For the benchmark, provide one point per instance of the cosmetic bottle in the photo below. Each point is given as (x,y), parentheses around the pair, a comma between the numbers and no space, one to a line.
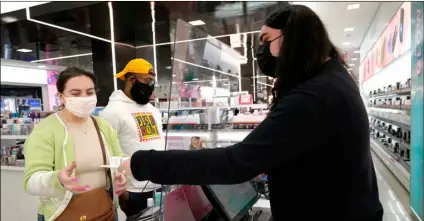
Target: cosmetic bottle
(397,85)
(396,150)
(399,133)
(159,200)
(402,153)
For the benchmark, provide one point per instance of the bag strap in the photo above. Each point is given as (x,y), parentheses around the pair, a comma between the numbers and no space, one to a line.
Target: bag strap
(102,145)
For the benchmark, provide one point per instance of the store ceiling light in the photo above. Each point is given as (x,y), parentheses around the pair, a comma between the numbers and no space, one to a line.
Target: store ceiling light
(353,6)
(197,22)
(357,52)
(354,59)
(351,65)
(346,43)
(195,79)
(41,66)
(24,50)
(63,57)
(9,19)
(348,29)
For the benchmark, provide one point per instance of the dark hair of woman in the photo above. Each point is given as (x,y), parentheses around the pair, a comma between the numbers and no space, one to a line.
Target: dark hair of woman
(69,73)
(305,47)
(72,72)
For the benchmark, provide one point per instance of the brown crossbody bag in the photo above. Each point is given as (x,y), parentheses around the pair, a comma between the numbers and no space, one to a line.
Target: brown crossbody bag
(94,205)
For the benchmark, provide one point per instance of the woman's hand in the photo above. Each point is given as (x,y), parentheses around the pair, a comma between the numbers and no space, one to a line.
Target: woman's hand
(125,167)
(70,183)
(120,182)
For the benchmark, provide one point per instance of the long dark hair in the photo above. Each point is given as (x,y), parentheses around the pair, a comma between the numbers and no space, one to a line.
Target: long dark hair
(305,47)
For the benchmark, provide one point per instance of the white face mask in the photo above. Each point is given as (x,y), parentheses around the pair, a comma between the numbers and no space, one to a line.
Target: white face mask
(81,106)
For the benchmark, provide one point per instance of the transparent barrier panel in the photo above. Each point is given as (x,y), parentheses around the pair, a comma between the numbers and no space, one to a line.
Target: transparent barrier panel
(199,107)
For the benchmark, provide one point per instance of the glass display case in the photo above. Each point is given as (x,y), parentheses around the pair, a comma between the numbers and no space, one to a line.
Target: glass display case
(204,107)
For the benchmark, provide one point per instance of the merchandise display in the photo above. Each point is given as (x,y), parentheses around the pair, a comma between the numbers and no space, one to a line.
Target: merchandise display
(395,137)
(389,110)
(397,96)
(388,86)
(15,128)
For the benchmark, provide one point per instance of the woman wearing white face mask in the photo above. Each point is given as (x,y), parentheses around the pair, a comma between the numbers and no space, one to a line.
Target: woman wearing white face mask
(64,152)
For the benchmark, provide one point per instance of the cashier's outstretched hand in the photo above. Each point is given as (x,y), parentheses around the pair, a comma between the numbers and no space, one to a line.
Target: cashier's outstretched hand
(125,167)
(68,181)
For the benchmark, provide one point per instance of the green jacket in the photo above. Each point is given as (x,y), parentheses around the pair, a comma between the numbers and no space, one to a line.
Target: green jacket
(48,149)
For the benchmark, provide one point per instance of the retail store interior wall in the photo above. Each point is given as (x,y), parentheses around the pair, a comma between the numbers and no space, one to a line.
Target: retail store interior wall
(388,85)
(396,71)
(384,13)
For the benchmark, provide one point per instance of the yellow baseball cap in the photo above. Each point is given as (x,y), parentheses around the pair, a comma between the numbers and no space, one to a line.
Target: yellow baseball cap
(136,66)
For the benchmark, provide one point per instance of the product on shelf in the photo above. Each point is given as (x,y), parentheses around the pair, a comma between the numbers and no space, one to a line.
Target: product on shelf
(393,137)
(12,156)
(392,97)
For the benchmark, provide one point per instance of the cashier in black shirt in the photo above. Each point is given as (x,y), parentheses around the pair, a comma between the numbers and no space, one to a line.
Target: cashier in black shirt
(314,144)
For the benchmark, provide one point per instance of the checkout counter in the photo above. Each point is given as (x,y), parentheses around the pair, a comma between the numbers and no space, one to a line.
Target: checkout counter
(240,202)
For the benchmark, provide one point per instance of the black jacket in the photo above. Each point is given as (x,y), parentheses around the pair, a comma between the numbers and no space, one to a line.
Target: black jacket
(314,146)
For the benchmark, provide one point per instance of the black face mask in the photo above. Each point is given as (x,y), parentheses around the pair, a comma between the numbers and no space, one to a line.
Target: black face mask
(141,92)
(266,61)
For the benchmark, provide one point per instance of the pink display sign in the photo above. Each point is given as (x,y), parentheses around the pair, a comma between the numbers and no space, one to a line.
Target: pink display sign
(52,77)
(52,95)
(245,99)
(394,41)
(51,89)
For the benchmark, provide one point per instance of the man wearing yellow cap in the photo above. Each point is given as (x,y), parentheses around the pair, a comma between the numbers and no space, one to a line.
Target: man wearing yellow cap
(138,125)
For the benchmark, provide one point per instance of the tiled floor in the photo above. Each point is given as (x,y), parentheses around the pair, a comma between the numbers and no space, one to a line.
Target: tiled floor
(393,208)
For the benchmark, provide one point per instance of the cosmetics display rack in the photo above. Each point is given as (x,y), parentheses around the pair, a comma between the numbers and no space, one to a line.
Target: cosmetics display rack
(217,126)
(392,97)
(216,117)
(13,156)
(389,110)
(393,117)
(395,139)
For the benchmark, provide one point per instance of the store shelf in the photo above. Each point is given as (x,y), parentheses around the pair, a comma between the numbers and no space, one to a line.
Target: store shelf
(403,91)
(14,137)
(253,106)
(12,168)
(388,151)
(402,143)
(182,109)
(391,121)
(395,166)
(221,135)
(391,110)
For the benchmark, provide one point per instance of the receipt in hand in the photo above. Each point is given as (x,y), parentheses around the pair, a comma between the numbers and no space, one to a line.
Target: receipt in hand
(114,162)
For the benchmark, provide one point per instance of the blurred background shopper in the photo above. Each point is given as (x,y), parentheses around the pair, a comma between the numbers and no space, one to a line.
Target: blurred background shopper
(64,152)
(138,124)
(317,114)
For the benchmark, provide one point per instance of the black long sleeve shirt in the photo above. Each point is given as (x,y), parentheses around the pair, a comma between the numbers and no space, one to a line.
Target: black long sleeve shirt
(314,146)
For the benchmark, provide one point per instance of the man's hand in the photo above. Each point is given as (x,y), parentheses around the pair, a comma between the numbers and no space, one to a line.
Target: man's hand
(70,183)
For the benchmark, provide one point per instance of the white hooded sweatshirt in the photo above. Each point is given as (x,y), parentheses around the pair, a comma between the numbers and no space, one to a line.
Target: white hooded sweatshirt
(139,127)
